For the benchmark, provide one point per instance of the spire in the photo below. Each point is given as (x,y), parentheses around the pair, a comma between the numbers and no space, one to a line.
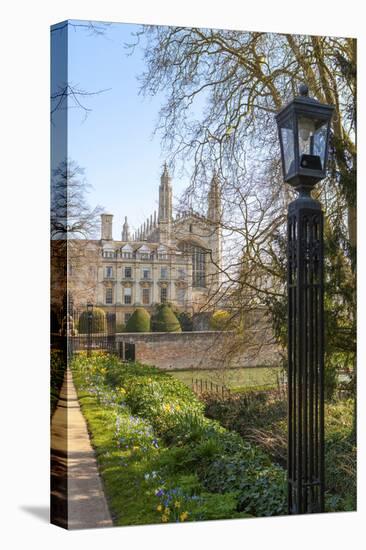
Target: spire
(165,196)
(154,218)
(125,231)
(214,199)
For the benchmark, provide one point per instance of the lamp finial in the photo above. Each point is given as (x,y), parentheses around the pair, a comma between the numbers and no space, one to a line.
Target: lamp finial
(303,90)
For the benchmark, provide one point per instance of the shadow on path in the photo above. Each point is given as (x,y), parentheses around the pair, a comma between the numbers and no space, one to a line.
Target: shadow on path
(77,497)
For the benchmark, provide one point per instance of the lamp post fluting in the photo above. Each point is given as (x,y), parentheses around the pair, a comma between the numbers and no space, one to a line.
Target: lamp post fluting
(304,126)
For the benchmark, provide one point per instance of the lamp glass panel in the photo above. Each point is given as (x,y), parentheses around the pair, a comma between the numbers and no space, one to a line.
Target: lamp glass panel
(320,141)
(287,138)
(306,128)
(312,138)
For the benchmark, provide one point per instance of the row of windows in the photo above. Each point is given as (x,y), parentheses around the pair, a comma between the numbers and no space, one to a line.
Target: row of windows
(134,255)
(146,296)
(146,273)
(197,254)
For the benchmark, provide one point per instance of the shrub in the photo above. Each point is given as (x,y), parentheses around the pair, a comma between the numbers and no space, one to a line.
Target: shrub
(260,488)
(220,320)
(330,380)
(165,320)
(98,323)
(139,321)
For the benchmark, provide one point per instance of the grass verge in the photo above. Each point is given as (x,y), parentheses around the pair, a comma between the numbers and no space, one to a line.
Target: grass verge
(160,458)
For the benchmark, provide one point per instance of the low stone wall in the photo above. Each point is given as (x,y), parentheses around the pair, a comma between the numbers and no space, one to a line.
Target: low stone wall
(204,349)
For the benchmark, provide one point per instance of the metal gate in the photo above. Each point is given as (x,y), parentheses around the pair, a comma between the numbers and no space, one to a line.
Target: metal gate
(88,328)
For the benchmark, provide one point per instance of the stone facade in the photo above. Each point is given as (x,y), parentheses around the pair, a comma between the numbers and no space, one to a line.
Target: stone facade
(169,259)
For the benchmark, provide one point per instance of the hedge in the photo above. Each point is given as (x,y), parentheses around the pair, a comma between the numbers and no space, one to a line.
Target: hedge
(98,323)
(165,320)
(139,321)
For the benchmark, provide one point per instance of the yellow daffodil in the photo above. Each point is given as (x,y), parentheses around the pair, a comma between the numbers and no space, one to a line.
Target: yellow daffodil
(167,511)
(159,508)
(164,518)
(183,516)
(177,504)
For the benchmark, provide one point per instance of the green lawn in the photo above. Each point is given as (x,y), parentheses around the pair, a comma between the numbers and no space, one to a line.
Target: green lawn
(235,379)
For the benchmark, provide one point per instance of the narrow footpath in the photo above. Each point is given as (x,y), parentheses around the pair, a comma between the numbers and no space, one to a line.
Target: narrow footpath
(77,496)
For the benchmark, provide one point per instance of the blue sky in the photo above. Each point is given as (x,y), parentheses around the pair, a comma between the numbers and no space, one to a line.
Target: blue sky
(114,143)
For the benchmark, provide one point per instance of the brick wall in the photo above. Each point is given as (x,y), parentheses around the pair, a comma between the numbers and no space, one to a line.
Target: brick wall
(205,349)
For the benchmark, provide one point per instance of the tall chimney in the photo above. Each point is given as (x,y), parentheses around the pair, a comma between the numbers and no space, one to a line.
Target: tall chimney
(107,227)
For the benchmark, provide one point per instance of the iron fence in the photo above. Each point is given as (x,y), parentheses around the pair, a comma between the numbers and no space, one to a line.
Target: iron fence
(200,386)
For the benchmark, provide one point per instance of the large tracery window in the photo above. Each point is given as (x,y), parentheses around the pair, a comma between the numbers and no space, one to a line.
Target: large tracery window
(198,263)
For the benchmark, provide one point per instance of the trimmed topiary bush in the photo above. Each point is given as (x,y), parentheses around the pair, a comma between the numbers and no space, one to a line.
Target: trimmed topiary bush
(220,320)
(98,321)
(165,320)
(139,321)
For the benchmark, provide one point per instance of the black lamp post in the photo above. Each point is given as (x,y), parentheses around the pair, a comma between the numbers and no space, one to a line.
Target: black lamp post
(89,310)
(304,126)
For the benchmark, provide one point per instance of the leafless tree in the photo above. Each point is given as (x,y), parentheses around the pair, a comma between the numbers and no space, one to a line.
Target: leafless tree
(222,89)
(73,222)
(69,95)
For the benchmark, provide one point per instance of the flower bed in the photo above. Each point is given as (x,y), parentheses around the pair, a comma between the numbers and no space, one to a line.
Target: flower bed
(160,458)
(261,417)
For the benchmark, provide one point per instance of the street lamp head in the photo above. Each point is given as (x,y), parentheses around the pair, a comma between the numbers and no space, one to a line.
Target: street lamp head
(304,126)
(89,307)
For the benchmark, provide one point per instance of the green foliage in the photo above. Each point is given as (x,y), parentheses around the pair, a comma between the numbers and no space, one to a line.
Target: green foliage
(340,456)
(247,412)
(220,506)
(330,379)
(339,301)
(161,433)
(120,327)
(98,323)
(262,418)
(139,321)
(220,320)
(165,320)
(261,488)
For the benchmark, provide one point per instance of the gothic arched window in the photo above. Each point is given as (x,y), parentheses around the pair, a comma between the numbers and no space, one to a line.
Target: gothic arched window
(198,262)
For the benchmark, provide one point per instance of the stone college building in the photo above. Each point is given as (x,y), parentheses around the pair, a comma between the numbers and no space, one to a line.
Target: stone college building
(169,259)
